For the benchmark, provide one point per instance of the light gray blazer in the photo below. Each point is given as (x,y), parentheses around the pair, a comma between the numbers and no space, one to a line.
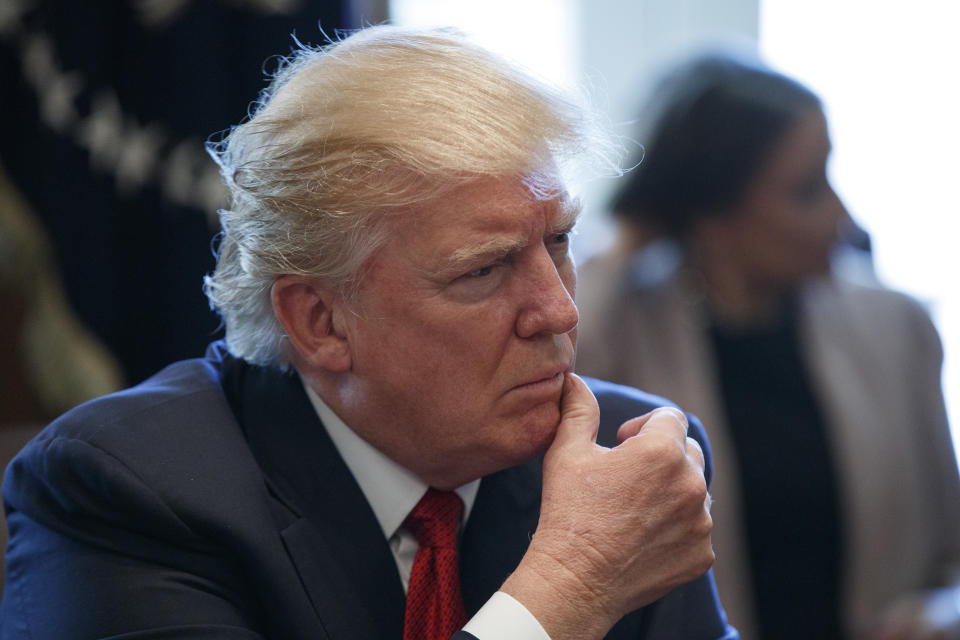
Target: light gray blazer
(875,359)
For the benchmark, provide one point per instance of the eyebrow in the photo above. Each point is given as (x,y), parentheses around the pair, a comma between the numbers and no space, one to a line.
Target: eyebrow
(498,248)
(493,249)
(570,210)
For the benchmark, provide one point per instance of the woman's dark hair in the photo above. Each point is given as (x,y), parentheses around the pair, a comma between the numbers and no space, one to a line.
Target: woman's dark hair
(712,122)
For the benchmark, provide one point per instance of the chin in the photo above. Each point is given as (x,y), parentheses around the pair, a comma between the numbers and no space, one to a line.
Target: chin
(540,428)
(517,439)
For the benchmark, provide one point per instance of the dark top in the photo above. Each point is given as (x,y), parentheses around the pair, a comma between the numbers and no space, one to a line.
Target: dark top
(789,487)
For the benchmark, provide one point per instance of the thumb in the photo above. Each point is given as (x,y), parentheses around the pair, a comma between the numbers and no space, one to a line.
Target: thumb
(579,413)
(632,427)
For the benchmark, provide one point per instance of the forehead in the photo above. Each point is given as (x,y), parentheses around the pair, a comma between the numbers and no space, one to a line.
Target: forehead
(494,202)
(489,210)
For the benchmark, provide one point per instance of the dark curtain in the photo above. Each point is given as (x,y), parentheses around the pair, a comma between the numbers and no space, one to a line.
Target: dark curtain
(105,108)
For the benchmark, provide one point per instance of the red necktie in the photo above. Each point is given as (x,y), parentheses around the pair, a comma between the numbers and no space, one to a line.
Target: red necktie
(434,604)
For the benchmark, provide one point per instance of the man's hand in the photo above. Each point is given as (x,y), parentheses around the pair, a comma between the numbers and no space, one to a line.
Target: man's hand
(619,528)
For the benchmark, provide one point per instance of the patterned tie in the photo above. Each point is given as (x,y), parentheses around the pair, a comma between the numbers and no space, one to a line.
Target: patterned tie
(434,604)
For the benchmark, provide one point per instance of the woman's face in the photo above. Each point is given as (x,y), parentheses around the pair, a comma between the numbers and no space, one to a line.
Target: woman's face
(785,228)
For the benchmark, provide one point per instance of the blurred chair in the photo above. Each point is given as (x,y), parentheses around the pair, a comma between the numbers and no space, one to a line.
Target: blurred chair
(48,361)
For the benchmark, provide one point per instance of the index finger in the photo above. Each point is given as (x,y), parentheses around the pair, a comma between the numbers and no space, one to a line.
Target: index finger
(669,421)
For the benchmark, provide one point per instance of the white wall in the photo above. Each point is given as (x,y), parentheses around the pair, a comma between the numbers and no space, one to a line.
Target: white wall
(888,75)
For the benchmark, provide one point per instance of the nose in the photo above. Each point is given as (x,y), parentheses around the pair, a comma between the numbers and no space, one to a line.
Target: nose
(840,216)
(839,208)
(547,305)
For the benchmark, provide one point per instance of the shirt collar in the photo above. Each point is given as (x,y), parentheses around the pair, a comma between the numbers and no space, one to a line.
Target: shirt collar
(392,490)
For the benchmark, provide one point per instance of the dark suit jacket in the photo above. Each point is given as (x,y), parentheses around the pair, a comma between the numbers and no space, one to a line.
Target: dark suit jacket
(209,502)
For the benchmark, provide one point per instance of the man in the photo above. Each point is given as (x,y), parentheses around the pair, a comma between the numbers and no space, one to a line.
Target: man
(397,289)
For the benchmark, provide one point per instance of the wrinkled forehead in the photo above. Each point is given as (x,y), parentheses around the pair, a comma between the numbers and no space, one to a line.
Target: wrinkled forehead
(488,214)
(503,202)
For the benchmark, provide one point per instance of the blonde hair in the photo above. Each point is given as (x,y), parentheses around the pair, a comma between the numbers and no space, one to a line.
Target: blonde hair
(381,121)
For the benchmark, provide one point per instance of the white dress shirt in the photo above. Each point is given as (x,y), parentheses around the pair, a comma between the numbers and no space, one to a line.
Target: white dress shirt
(393,492)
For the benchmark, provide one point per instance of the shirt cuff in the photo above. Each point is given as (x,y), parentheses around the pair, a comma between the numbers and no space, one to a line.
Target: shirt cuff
(503,617)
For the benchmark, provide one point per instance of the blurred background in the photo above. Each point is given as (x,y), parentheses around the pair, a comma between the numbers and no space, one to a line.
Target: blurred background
(108,201)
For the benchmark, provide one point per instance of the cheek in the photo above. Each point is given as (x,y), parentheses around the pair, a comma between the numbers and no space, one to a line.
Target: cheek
(459,354)
(768,248)
(814,235)
(801,252)
(785,233)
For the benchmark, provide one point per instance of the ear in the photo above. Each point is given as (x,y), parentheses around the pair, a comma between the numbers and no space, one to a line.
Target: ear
(307,310)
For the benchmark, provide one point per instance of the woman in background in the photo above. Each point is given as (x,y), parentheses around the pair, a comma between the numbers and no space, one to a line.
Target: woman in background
(837,509)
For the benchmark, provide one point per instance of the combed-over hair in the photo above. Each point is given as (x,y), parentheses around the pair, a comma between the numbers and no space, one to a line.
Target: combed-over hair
(378,122)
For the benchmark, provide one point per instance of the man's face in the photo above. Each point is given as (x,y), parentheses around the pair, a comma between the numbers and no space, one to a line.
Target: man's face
(462,331)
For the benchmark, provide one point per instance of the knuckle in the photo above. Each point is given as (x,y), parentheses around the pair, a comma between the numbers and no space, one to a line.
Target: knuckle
(708,557)
(662,448)
(673,412)
(700,562)
(658,450)
(703,526)
(694,489)
(693,445)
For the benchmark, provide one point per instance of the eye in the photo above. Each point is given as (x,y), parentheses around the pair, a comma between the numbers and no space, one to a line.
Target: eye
(481,272)
(558,244)
(477,284)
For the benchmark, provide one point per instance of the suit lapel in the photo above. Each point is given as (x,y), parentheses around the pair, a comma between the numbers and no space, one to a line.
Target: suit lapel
(328,528)
(498,531)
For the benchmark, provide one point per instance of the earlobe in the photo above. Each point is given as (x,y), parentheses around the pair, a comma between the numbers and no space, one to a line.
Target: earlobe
(309,313)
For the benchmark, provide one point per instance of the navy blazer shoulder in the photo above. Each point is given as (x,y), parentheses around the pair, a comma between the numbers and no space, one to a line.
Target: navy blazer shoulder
(209,502)
(619,403)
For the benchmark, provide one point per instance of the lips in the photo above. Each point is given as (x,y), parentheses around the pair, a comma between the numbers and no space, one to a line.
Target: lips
(549,377)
